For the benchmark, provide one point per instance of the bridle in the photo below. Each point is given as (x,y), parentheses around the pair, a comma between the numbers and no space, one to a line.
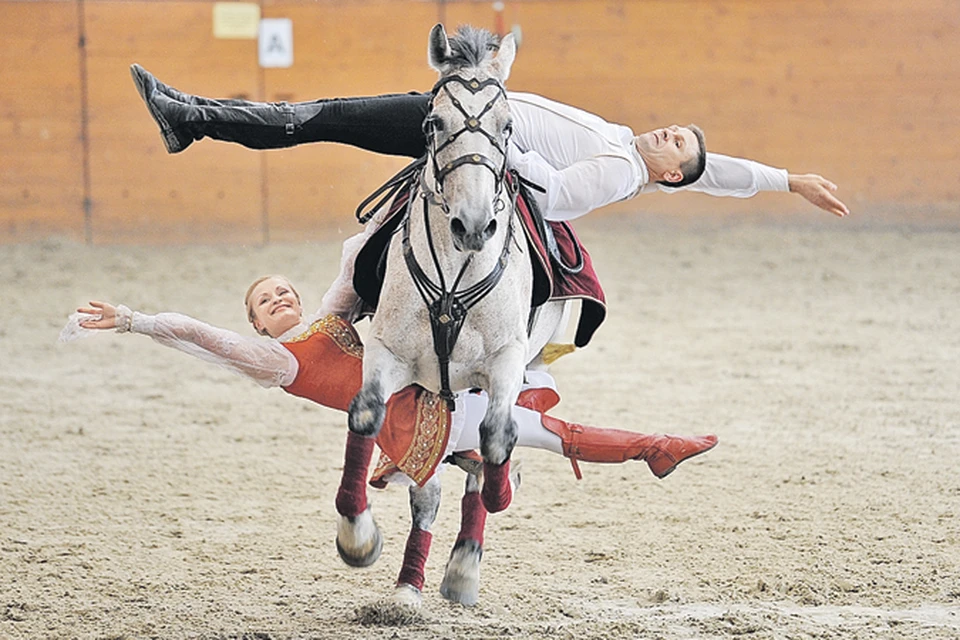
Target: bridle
(448,308)
(472,123)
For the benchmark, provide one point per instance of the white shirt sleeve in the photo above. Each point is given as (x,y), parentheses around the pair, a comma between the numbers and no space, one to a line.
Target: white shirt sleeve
(578,189)
(264,360)
(737,177)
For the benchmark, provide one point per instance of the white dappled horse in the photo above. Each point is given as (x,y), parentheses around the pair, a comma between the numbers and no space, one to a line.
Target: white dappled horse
(455,309)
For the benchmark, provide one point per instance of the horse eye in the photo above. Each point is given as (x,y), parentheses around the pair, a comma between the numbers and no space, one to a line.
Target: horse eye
(432,126)
(508,128)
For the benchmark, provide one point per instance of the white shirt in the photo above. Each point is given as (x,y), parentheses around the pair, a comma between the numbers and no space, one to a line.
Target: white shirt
(584,162)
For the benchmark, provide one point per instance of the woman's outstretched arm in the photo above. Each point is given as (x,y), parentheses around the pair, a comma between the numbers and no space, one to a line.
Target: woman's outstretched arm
(263,360)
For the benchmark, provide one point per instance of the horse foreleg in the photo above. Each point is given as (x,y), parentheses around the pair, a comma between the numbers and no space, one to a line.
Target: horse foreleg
(359,540)
(498,431)
(424,504)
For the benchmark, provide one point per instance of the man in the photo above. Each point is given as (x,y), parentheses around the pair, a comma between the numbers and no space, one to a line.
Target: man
(583,161)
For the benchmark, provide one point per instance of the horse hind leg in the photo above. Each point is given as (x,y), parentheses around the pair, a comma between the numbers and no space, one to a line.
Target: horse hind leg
(461,577)
(424,504)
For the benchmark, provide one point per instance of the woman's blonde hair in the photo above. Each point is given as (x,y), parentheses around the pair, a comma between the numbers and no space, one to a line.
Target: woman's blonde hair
(249,306)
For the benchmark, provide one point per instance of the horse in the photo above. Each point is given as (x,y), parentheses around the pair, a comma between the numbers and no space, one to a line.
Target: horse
(459,221)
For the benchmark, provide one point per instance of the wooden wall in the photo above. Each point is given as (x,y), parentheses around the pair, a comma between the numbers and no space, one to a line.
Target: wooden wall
(865,92)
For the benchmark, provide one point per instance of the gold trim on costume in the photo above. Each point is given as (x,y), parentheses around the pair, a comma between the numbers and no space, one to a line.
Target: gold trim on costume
(338,330)
(429,440)
(429,443)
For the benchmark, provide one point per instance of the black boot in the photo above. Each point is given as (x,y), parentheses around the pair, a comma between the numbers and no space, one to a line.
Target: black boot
(389,124)
(258,125)
(143,78)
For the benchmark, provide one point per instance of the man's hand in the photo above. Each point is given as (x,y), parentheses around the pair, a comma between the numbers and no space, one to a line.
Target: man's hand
(819,191)
(107,313)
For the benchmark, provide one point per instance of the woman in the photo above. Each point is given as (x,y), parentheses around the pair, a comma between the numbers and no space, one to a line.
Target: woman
(320,359)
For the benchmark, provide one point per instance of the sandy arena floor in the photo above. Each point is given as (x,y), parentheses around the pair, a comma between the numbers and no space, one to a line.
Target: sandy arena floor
(144,494)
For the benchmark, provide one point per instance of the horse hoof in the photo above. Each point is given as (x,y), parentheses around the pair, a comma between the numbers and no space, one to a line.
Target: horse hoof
(461,579)
(359,541)
(400,608)
(407,595)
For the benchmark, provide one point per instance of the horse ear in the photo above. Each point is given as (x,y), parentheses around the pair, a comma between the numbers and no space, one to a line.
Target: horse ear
(438,51)
(504,59)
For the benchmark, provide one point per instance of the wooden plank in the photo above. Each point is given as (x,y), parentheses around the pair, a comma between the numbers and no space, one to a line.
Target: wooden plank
(866,93)
(41,177)
(341,50)
(211,193)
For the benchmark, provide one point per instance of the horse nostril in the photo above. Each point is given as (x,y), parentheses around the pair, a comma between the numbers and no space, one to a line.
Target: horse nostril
(491,229)
(456,226)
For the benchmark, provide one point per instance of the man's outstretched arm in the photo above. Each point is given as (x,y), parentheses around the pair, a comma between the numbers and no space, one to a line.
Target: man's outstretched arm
(742,178)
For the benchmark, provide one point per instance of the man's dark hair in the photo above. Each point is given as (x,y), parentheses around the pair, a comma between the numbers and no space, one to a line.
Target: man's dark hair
(693,168)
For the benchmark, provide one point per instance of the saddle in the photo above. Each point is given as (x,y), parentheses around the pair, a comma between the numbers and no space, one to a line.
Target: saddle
(562,268)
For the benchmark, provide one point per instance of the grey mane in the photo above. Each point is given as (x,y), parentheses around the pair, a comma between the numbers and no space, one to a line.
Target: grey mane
(471,46)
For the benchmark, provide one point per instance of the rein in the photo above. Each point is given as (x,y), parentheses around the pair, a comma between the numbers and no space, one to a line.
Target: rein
(404,177)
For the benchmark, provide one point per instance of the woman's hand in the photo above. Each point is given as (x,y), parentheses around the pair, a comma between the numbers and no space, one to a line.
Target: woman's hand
(106,311)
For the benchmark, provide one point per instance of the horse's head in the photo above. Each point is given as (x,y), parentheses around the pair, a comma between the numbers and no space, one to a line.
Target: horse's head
(468,129)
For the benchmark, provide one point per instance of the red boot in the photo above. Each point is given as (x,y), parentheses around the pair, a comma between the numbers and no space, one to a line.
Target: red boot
(591,444)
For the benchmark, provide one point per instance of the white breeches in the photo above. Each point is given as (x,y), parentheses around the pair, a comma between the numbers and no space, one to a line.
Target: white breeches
(530,431)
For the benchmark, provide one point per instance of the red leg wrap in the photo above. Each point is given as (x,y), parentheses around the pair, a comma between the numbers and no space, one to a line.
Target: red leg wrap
(352,494)
(473,518)
(496,492)
(415,558)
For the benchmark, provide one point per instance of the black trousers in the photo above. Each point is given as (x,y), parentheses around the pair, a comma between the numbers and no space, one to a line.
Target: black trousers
(391,124)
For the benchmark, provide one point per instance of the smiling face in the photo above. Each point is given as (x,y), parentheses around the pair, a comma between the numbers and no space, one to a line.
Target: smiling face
(273,306)
(666,151)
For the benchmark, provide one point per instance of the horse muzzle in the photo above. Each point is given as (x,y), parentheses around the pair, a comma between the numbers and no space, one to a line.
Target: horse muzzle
(471,237)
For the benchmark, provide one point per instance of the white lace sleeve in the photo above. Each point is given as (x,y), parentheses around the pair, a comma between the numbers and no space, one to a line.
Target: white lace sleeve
(341,298)
(264,360)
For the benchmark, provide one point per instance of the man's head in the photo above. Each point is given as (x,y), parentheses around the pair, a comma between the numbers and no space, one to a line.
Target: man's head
(675,156)
(273,306)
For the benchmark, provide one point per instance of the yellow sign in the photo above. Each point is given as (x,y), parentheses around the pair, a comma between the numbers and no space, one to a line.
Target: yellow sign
(236,20)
